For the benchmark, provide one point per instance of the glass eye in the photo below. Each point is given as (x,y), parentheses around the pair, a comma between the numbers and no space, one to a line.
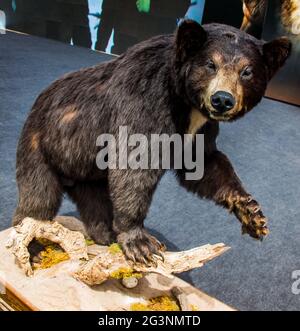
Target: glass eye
(247,73)
(211,66)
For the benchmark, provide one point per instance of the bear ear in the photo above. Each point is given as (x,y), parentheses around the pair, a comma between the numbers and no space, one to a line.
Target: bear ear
(275,54)
(190,37)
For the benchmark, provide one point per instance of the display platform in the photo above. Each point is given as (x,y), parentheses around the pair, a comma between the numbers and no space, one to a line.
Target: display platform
(56,289)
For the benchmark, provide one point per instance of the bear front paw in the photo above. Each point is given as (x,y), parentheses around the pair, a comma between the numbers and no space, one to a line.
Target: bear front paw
(248,211)
(139,246)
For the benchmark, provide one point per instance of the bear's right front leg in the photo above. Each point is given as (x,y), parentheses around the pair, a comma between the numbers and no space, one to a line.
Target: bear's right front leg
(131,194)
(221,184)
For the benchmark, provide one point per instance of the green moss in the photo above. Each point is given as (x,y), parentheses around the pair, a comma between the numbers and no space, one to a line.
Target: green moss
(115,248)
(161,303)
(89,242)
(125,273)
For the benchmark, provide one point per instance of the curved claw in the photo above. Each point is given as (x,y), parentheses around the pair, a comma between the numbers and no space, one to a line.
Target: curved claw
(254,223)
(139,246)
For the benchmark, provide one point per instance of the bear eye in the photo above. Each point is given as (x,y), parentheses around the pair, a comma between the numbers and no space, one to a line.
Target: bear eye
(247,73)
(211,66)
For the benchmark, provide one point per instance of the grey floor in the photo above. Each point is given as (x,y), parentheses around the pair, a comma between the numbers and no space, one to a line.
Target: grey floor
(264,148)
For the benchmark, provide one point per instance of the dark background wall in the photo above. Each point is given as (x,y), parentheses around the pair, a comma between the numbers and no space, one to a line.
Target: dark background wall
(225,12)
(106,25)
(115,25)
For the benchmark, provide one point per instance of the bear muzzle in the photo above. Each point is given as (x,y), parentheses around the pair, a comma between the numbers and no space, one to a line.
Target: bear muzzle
(222,102)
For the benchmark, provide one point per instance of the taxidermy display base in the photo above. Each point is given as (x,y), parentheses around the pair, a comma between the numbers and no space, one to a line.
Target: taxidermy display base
(104,282)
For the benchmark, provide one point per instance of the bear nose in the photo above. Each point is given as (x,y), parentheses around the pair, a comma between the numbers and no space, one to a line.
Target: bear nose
(222,101)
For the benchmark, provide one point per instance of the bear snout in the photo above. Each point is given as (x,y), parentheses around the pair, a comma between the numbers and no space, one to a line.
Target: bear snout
(222,101)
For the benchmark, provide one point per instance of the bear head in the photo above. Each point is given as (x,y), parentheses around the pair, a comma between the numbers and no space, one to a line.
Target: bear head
(222,71)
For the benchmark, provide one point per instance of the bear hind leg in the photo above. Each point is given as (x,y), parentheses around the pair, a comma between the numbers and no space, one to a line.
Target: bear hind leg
(95,208)
(40,190)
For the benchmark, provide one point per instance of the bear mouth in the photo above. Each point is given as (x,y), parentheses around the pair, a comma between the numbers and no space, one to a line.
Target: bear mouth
(214,115)
(217,116)
(220,117)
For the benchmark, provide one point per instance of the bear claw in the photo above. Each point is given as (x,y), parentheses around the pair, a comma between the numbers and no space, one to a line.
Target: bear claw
(254,223)
(140,247)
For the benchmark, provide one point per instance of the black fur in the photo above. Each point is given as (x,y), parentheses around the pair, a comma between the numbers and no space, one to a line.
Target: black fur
(152,88)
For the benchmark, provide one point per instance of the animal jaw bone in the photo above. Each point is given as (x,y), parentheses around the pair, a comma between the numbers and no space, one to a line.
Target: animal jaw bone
(104,262)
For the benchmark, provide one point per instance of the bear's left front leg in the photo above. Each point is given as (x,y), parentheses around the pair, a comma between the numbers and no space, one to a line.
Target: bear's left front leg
(221,184)
(131,193)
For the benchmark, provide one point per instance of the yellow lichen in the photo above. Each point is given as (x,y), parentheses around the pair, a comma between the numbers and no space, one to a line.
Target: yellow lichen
(115,248)
(139,307)
(49,257)
(161,303)
(51,254)
(125,273)
(194,308)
